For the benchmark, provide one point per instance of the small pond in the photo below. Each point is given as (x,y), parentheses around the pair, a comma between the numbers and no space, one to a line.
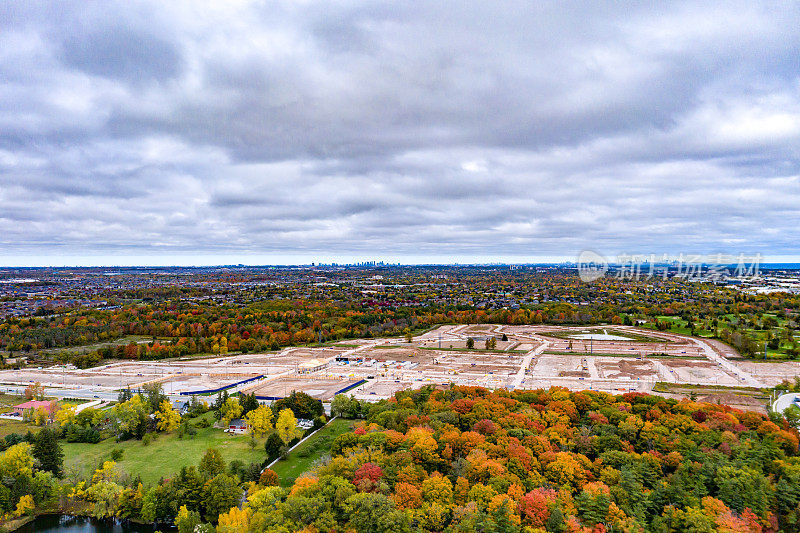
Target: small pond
(52,523)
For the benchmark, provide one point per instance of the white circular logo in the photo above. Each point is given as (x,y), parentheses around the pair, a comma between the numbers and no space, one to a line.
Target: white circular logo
(591,266)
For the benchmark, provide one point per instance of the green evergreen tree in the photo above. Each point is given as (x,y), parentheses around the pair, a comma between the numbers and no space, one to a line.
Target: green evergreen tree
(555,523)
(212,463)
(47,451)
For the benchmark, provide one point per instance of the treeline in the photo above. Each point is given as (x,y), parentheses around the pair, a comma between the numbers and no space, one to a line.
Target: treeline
(179,328)
(463,459)
(467,459)
(33,477)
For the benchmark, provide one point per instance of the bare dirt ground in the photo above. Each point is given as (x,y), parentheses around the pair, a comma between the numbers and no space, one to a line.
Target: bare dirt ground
(322,389)
(771,373)
(629,369)
(538,360)
(199,382)
(700,372)
(634,348)
(401,352)
(72,378)
(737,401)
(384,389)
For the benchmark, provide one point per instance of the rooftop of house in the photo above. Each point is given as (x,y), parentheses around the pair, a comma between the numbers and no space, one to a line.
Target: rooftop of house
(33,404)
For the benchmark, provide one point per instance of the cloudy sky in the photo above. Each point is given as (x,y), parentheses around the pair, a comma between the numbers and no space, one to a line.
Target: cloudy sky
(282,132)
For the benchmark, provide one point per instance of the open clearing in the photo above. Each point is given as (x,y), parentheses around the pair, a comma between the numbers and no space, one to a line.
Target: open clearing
(164,455)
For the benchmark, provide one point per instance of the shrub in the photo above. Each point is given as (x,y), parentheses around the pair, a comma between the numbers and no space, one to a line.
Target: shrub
(202,423)
(268,478)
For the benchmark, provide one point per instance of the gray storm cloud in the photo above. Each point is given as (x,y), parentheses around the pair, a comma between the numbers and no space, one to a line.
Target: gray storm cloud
(407,129)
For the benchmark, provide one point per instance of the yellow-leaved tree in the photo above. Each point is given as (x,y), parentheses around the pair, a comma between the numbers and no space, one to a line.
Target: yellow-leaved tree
(168,418)
(186,520)
(230,409)
(17,461)
(107,472)
(287,426)
(40,416)
(65,415)
(259,420)
(24,505)
(127,416)
(234,521)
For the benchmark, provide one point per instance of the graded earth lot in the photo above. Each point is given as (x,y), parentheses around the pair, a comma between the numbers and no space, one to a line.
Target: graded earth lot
(770,373)
(320,388)
(609,358)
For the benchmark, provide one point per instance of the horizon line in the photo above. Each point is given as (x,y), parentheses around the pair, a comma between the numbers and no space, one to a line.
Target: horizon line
(364,263)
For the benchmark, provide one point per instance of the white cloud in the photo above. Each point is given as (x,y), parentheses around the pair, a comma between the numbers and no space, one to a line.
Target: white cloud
(398,130)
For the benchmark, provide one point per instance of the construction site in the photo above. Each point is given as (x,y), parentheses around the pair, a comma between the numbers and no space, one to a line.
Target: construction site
(607,358)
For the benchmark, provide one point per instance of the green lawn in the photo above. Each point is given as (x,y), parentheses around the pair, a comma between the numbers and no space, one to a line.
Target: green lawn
(7,427)
(302,458)
(164,456)
(7,401)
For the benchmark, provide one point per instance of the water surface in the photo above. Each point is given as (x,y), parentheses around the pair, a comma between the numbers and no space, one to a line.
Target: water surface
(52,523)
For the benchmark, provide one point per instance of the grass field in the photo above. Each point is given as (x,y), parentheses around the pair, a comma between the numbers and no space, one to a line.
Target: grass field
(164,456)
(678,325)
(7,427)
(7,401)
(303,457)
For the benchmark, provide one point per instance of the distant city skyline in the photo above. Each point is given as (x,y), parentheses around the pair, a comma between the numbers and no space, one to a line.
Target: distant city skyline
(200,133)
(211,261)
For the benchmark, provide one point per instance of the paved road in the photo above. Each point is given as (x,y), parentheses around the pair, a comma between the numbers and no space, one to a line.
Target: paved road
(740,374)
(785,400)
(526,361)
(591,367)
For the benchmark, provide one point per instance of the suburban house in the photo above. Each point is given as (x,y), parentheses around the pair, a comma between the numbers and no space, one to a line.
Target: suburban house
(182,406)
(237,426)
(47,405)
